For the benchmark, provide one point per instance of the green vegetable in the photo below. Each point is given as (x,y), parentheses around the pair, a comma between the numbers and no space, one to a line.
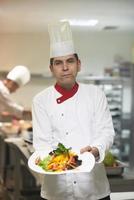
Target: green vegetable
(109,159)
(44,163)
(61,149)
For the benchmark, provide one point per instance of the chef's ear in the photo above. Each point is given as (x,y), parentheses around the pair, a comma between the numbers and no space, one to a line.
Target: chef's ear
(79,65)
(51,68)
(51,64)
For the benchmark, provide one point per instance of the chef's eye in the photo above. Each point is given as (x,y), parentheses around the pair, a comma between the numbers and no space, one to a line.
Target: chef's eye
(70,60)
(58,62)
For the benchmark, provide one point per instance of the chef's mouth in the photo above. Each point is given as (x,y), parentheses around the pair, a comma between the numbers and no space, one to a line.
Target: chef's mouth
(66,75)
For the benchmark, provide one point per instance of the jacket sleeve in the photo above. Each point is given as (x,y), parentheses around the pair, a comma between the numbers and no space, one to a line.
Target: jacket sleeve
(10,106)
(42,137)
(104,131)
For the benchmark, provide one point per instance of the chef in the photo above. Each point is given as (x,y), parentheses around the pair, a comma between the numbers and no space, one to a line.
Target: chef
(17,77)
(75,115)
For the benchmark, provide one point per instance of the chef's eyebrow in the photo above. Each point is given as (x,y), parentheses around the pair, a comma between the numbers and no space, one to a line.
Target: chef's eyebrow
(68,60)
(75,54)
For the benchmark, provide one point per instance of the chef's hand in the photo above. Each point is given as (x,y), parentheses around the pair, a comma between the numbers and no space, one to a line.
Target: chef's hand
(93,150)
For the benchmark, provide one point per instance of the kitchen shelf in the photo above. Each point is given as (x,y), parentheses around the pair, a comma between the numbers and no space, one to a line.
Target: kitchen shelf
(116,99)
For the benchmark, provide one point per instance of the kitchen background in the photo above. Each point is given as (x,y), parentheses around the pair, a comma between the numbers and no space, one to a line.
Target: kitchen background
(24,38)
(97,51)
(106,52)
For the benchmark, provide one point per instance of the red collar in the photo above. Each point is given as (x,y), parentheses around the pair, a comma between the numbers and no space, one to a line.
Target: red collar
(66,94)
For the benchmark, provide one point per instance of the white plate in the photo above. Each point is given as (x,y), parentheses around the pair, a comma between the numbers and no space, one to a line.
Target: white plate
(88,162)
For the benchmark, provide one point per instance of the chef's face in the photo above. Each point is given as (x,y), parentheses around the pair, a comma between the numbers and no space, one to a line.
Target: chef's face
(65,69)
(11,85)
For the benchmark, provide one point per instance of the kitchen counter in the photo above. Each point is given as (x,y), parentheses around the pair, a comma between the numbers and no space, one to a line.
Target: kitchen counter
(19,182)
(23,150)
(26,182)
(123,183)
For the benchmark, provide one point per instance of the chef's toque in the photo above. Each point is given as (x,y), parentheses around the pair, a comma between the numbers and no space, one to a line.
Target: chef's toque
(20,75)
(61,42)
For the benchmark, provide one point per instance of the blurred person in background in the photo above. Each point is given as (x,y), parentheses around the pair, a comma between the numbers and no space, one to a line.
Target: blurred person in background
(17,77)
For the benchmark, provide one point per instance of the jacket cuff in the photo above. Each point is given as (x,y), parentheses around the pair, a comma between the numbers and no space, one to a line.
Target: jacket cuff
(101,156)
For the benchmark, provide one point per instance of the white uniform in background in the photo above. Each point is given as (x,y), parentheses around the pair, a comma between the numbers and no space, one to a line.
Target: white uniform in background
(81,120)
(6,104)
(20,75)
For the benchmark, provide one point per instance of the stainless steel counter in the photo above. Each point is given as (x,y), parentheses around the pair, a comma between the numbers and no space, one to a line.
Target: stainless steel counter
(124,183)
(24,184)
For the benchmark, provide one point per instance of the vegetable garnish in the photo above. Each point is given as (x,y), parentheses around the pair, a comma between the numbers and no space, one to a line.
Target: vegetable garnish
(58,160)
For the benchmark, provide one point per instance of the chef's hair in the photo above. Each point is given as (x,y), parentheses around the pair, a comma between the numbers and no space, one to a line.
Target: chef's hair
(75,54)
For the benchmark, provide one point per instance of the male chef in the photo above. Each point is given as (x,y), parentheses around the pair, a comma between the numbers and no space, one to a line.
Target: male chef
(17,77)
(76,115)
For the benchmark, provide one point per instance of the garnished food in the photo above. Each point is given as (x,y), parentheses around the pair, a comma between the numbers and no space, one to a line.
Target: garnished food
(60,159)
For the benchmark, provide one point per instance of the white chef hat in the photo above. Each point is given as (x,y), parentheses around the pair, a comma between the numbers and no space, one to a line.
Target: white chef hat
(20,75)
(61,42)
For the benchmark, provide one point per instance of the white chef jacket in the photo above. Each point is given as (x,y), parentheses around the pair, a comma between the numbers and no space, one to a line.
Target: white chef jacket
(81,120)
(6,104)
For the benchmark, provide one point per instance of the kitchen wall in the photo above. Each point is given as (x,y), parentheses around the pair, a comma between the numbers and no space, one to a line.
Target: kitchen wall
(25,94)
(30,49)
(97,50)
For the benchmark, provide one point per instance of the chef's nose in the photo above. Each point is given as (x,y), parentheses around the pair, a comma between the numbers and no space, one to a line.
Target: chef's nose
(65,65)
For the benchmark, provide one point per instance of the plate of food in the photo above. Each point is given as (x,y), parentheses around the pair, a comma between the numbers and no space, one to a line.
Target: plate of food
(60,161)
